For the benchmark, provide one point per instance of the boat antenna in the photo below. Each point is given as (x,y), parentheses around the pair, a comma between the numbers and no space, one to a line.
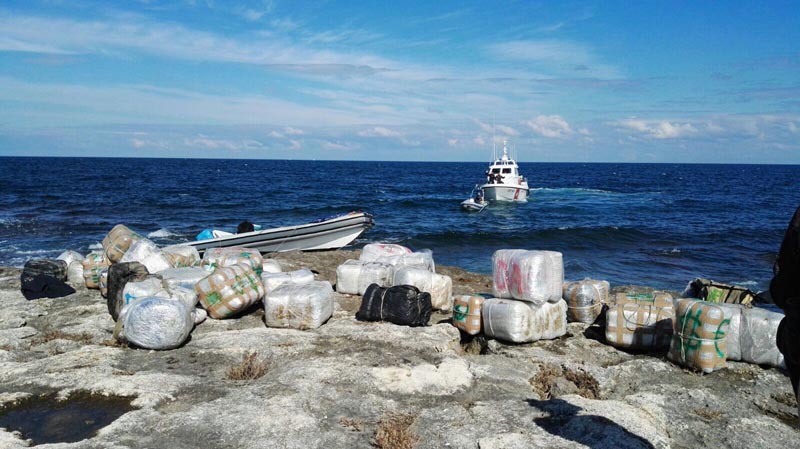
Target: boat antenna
(494,142)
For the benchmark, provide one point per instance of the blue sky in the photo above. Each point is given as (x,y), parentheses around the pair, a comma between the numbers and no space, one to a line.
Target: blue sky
(628,81)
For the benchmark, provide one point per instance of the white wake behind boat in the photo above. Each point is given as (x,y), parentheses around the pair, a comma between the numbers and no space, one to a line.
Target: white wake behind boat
(504,182)
(332,233)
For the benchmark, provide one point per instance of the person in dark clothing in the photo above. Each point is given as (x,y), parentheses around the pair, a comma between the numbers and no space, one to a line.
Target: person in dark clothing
(785,291)
(245,226)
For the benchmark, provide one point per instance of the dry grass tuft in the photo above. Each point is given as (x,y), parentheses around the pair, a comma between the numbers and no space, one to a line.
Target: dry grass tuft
(83,337)
(707,413)
(352,424)
(251,368)
(543,382)
(394,432)
(588,386)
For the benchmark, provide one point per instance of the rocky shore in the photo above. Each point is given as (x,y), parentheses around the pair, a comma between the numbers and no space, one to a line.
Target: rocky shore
(238,384)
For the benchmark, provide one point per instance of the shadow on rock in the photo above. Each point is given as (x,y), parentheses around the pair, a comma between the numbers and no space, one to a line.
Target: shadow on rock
(590,430)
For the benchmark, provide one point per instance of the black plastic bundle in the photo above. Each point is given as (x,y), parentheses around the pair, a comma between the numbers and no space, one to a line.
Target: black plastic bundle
(401,304)
(120,274)
(44,278)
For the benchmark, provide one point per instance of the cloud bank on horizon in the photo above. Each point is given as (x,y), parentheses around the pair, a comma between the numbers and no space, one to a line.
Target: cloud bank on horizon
(569,81)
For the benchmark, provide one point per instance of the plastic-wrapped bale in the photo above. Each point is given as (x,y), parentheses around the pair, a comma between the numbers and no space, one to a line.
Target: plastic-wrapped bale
(103,284)
(186,277)
(373,251)
(145,288)
(271,266)
(522,322)
(74,262)
(438,285)
(44,278)
(120,274)
(70,256)
(117,242)
(655,299)
(467,313)
(375,273)
(155,323)
(147,253)
(533,276)
(55,268)
(418,259)
(585,299)
(639,325)
(751,335)
(347,275)
(299,306)
(717,292)
(227,257)
(229,290)
(94,263)
(402,304)
(699,339)
(199,315)
(272,281)
(181,255)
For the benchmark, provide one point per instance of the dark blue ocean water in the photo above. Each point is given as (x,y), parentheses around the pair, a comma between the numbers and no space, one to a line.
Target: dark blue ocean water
(652,224)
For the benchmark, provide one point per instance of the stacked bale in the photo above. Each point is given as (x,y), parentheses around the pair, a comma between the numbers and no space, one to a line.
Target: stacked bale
(235,255)
(118,241)
(272,281)
(439,286)
(229,290)
(94,264)
(467,313)
(640,321)
(155,323)
(299,305)
(180,256)
(751,335)
(699,339)
(528,304)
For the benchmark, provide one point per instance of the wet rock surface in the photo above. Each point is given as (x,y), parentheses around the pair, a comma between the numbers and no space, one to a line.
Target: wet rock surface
(354,384)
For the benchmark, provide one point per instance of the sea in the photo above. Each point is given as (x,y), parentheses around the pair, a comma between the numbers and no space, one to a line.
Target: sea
(658,225)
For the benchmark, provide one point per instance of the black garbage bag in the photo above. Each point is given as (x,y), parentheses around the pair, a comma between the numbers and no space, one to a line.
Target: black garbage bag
(44,286)
(401,304)
(120,274)
(54,268)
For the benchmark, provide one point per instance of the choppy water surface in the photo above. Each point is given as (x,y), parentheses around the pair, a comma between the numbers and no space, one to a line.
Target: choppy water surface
(652,224)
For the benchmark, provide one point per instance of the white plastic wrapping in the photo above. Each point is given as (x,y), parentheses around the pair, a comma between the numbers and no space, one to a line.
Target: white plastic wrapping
(419,259)
(533,276)
(347,276)
(271,266)
(181,255)
(155,323)
(272,281)
(522,322)
(299,306)
(186,277)
(147,253)
(199,315)
(585,299)
(374,273)
(639,325)
(70,256)
(94,263)
(75,273)
(438,285)
(146,288)
(372,251)
(215,258)
(104,283)
(751,335)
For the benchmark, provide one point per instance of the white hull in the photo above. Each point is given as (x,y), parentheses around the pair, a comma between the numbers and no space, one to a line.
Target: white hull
(329,234)
(503,192)
(472,205)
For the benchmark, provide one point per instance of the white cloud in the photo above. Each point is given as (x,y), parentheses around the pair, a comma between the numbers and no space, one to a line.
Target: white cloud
(378,131)
(479,140)
(552,126)
(557,56)
(276,135)
(295,145)
(660,129)
(452,142)
(497,129)
(338,146)
(289,131)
